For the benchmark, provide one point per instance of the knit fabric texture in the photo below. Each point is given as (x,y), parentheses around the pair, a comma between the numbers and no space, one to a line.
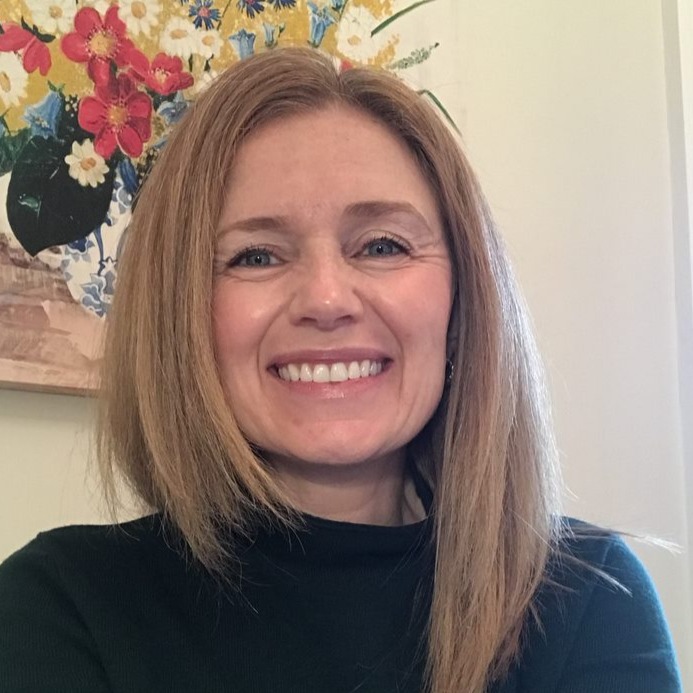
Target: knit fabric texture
(333,608)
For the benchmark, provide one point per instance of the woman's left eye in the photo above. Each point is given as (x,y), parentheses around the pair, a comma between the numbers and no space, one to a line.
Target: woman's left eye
(253,257)
(383,247)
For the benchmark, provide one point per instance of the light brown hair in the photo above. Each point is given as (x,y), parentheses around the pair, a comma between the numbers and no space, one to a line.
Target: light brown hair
(488,452)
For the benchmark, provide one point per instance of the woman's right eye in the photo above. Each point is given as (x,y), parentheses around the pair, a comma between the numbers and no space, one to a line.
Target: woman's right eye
(254,257)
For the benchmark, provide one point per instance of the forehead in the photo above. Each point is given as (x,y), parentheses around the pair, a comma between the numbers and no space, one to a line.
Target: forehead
(329,158)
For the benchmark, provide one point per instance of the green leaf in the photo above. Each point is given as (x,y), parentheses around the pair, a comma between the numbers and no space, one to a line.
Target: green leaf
(69,129)
(440,107)
(44,38)
(11,147)
(416,57)
(45,206)
(397,15)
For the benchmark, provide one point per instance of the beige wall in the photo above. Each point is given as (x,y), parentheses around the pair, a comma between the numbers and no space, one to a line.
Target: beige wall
(43,466)
(572,126)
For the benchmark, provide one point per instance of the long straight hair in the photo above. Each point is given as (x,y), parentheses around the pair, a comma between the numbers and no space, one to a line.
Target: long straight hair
(488,452)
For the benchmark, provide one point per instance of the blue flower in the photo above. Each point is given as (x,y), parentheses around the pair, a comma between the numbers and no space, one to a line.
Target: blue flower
(272,33)
(320,20)
(172,111)
(338,5)
(43,116)
(279,4)
(251,7)
(129,175)
(244,43)
(204,13)
(269,34)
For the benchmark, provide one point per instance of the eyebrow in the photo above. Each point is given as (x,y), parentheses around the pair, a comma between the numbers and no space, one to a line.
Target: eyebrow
(255,224)
(382,208)
(369,209)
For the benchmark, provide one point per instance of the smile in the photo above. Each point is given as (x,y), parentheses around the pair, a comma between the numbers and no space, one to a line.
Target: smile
(337,372)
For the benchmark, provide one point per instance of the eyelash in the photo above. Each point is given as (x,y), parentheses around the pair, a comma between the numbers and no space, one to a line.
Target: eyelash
(260,250)
(249,252)
(387,238)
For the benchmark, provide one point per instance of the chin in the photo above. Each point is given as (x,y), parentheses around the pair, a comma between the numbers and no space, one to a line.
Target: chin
(343,455)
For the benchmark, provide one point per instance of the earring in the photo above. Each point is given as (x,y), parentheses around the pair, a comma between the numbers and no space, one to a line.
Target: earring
(449,370)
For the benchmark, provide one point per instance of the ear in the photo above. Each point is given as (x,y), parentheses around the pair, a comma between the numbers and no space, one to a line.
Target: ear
(453,329)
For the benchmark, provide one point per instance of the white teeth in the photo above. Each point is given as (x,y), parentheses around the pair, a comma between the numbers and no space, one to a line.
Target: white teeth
(337,372)
(321,373)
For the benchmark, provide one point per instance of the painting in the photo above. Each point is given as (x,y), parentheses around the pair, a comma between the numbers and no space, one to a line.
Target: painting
(89,90)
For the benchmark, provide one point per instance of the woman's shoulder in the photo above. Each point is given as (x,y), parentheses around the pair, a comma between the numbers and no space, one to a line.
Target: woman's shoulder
(70,557)
(81,542)
(598,615)
(587,557)
(71,593)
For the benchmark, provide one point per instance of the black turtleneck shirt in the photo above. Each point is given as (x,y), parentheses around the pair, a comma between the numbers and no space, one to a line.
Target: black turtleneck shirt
(337,608)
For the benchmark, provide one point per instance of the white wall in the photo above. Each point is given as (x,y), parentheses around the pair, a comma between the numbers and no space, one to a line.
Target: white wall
(571,123)
(566,118)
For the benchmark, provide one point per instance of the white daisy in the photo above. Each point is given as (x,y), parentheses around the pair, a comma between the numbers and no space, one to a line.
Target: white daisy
(140,15)
(13,79)
(354,35)
(179,38)
(53,16)
(86,166)
(209,43)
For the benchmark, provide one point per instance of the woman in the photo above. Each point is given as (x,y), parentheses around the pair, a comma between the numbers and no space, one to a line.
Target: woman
(320,376)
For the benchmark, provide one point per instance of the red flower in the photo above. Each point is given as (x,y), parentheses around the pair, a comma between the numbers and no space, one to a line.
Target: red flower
(98,43)
(165,74)
(36,53)
(119,115)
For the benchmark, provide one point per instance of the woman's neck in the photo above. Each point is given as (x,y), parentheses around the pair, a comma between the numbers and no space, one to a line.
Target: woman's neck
(376,492)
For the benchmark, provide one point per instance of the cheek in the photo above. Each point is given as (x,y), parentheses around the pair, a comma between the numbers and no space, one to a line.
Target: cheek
(424,315)
(238,324)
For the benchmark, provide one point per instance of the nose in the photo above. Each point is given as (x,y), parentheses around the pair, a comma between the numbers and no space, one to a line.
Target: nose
(326,294)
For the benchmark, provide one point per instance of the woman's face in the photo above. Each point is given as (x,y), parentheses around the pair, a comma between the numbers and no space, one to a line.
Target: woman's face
(332,291)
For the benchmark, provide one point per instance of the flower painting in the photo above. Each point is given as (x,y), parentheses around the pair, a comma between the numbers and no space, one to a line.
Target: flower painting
(89,90)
